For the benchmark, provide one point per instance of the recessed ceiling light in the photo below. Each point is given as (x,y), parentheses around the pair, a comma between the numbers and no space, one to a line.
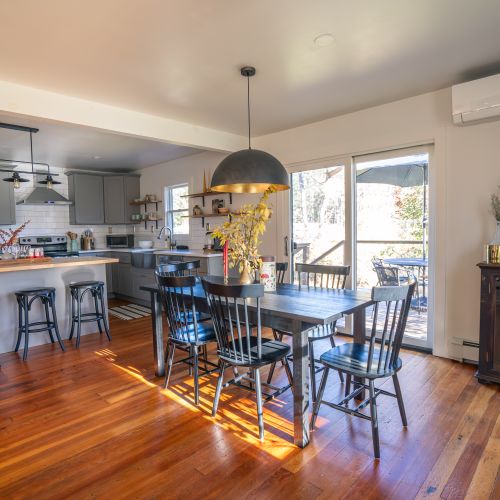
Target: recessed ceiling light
(323,40)
(97,157)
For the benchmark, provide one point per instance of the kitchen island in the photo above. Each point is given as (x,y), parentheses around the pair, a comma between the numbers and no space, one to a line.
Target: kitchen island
(57,273)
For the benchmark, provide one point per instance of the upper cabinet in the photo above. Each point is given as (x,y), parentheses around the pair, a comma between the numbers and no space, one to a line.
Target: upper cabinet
(86,191)
(119,191)
(102,199)
(7,204)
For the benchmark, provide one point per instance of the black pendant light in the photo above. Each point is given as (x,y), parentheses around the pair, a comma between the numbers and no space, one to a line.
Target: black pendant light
(49,181)
(16,179)
(249,170)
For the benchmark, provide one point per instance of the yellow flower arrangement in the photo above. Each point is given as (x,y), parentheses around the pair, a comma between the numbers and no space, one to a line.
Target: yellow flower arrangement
(243,233)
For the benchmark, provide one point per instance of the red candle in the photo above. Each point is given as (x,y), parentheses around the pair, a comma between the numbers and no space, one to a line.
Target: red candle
(226,261)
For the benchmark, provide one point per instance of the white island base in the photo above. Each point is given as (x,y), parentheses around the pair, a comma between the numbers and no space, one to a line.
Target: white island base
(57,274)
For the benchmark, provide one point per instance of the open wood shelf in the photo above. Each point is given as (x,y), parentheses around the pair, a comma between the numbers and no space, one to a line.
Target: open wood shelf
(209,194)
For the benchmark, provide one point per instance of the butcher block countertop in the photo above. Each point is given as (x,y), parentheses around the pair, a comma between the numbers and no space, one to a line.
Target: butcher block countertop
(7,266)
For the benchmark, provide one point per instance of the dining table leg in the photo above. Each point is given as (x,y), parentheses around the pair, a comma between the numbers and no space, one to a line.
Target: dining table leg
(359,331)
(300,349)
(157,324)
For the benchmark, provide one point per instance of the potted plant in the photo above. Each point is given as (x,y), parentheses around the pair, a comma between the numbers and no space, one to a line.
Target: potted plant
(242,234)
(495,208)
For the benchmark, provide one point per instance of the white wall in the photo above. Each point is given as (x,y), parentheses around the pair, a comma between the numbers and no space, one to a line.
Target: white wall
(53,219)
(465,170)
(190,169)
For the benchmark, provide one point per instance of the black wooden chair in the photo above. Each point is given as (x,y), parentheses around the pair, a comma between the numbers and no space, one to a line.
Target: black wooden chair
(317,276)
(239,342)
(371,361)
(281,269)
(188,268)
(185,330)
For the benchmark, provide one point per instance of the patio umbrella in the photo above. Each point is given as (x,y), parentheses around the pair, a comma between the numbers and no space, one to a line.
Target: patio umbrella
(407,174)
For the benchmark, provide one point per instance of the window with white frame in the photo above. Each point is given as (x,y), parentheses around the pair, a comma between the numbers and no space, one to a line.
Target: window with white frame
(177,208)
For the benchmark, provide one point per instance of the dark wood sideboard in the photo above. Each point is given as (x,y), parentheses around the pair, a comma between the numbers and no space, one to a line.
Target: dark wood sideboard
(489,324)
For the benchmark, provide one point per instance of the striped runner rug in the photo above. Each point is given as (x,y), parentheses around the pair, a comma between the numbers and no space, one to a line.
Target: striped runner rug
(130,311)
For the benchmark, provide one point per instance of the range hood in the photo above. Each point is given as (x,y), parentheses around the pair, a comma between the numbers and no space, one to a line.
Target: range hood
(44,196)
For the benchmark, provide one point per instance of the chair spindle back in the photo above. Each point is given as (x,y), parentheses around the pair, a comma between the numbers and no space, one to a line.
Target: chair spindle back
(179,306)
(188,268)
(396,300)
(281,269)
(323,276)
(233,330)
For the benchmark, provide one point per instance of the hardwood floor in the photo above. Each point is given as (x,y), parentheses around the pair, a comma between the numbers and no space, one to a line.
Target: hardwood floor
(95,422)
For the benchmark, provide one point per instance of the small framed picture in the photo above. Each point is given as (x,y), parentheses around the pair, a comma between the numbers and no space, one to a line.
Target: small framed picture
(216,204)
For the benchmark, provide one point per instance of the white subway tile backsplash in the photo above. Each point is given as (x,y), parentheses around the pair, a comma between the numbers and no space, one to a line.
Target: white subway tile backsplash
(46,220)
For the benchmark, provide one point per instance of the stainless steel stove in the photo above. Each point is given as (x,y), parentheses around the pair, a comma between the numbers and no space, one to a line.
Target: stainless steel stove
(53,246)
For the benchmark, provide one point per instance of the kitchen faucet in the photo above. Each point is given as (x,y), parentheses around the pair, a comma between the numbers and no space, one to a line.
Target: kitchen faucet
(165,229)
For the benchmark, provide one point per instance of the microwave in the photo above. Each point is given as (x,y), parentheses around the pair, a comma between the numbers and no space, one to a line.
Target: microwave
(120,240)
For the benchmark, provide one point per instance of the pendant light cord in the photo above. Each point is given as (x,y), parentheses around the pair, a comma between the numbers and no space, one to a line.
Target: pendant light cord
(31,148)
(248,110)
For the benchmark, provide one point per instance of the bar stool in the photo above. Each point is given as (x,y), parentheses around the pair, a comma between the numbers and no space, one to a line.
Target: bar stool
(25,299)
(78,291)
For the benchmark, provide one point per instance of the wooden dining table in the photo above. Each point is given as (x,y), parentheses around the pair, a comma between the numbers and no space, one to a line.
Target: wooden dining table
(288,309)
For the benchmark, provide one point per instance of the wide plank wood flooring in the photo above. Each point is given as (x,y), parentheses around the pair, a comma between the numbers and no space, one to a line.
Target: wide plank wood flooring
(96,423)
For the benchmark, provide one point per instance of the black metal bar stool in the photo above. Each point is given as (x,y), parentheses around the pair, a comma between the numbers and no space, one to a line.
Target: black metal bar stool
(78,291)
(25,299)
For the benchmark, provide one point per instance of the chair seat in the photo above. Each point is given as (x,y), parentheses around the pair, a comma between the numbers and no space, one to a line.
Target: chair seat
(272,351)
(86,284)
(36,291)
(206,333)
(316,333)
(353,359)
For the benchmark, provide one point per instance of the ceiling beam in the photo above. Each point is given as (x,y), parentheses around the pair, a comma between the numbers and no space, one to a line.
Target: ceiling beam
(21,100)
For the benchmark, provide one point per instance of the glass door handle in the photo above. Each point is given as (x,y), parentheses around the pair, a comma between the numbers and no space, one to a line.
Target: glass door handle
(286,246)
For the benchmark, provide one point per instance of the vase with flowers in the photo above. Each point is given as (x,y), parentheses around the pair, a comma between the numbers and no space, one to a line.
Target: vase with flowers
(8,238)
(242,233)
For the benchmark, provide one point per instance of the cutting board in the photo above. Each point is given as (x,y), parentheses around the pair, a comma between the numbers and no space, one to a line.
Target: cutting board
(23,262)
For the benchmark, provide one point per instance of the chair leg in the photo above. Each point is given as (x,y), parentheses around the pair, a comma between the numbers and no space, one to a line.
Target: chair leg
(399,396)
(73,310)
(374,420)
(94,294)
(190,365)
(219,389)
(317,404)
(54,320)
(277,336)
(288,371)
(78,319)
(258,392)
(20,324)
(26,329)
(347,385)
(312,368)
(196,378)
(170,361)
(103,312)
(47,319)
(341,376)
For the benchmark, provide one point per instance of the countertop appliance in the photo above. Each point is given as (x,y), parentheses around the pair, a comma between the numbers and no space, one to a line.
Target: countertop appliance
(53,246)
(120,240)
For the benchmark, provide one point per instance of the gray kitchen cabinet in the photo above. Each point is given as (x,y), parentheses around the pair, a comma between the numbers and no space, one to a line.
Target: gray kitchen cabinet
(86,191)
(119,191)
(7,204)
(125,285)
(142,277)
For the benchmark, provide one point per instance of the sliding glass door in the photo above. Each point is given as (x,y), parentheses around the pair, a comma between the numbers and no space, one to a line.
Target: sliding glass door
(370,212)
(392,213)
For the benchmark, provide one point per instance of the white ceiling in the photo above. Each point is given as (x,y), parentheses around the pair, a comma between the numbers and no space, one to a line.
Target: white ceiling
(180,58)
(78,147)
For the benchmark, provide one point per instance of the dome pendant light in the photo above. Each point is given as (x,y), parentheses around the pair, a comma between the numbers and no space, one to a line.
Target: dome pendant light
(249,170)
(16,179)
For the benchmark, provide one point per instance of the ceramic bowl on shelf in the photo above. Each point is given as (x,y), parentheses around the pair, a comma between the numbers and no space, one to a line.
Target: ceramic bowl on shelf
(145,244)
